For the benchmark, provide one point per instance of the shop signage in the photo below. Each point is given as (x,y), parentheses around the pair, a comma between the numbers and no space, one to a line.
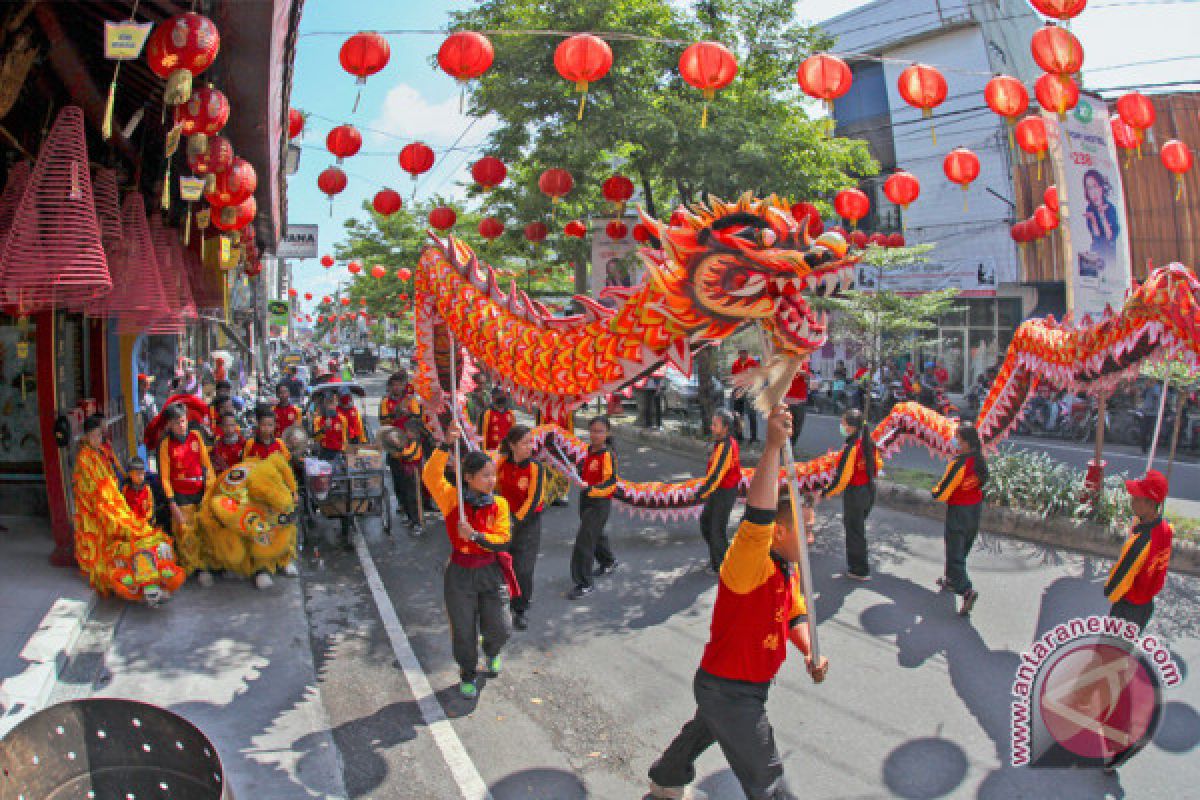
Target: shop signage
(191,189)
(300,242)
(978,280)
(123,41)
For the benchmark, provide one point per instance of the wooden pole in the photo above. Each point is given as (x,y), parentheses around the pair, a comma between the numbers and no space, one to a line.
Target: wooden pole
(1162,407)
(1182,395)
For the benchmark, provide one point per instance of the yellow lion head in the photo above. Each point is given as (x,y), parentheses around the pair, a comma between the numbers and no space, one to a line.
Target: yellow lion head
(248,515)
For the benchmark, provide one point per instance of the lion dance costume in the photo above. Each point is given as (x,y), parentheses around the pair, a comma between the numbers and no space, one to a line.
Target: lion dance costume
(120,553)
(247,517)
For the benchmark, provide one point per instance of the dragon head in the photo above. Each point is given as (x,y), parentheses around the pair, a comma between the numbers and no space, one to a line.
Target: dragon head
(749,261)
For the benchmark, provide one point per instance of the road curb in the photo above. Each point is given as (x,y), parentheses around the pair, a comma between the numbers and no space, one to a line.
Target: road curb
(1073,534)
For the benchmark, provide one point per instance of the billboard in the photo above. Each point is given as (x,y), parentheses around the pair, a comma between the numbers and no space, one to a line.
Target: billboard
(1098,266)
(614,261)
(976,279)
(299,242)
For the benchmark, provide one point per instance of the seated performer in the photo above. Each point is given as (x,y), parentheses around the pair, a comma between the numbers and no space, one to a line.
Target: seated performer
(137,492)
(265,442)
(475,578)
(496,421)
(185,468)
(287,413)
(354,424)
(759,608)
(229,444)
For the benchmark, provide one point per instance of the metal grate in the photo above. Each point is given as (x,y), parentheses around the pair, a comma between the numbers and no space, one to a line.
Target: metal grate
(53,256)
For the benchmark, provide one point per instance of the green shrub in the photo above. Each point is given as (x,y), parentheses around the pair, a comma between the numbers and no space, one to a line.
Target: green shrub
(1034,482)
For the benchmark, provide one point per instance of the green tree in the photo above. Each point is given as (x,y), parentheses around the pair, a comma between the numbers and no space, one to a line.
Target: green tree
(881,322)
(1181,378)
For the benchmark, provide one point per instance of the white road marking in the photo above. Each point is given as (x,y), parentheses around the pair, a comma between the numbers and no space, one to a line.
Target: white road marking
(462,768)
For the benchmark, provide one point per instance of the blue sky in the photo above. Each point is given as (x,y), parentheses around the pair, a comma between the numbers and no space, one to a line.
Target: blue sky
(410,99)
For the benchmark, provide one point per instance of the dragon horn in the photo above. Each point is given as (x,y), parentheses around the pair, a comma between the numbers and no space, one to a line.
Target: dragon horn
(650,222)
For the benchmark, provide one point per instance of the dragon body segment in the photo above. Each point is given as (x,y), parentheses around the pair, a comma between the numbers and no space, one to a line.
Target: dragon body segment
(723,266)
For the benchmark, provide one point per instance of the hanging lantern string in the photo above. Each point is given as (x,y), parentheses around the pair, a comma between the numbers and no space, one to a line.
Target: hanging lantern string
(110,103)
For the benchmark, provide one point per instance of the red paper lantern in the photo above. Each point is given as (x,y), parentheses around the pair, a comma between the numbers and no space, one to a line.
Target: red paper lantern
(851,204)
(442,218)
(1050,198)
(582,59)
(1006,96)
(536,232)
(1018,232)
(858,239)
(234,218)
(1177,158)
(556,183)
(364,54)
(1059,9)
(295,123)
(902,188)
(326,261)
(404,273)
(345,301)
(403,297)
(253,268)
(326,300)
(923,87)
(961,166)
(1031,136)
(824,77)
(416,158)
(641,234)
(1125,136)
(344,141)
(378,271)
(616,230)
(708,66)
(617,190)
(331,181)
(308,296)
(1046,219)
(575,228)
(1138,112)
(179,49)
(203,115)
(215,159)
(678,217)
(877,239)
(232,186)
(1056,50)
(489,172)
(490,228)
(354,267)
(465,55)
(387,202)
(807,211)
(1056,94)
(291,292)
(894,240)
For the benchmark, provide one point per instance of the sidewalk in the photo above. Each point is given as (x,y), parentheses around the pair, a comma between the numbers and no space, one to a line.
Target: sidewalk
(233,660)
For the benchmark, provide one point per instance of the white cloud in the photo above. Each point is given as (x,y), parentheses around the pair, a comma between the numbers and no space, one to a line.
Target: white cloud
(409,115)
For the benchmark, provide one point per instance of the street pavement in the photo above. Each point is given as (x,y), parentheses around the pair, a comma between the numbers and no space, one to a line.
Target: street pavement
(916,704)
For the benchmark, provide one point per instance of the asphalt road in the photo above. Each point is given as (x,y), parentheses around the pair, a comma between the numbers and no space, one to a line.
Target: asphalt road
(916,704)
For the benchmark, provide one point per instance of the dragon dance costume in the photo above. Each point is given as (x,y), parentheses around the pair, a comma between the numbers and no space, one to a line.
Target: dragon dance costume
(119,551)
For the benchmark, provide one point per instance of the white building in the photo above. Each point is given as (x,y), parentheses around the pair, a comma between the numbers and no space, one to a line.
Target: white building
(968,42)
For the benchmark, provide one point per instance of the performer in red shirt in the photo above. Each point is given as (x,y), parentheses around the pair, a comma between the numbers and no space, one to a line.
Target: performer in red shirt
(961,489)
(855,481)
(228,446)
(720,489)
(941,375)
(184,466)
(496,421)
(137,492)
(287,413)
(599,474)
(741,405)
(264,442)
(355,431)
(330,429)
(797,399)
(521,481)
(759,609)
(1141,571)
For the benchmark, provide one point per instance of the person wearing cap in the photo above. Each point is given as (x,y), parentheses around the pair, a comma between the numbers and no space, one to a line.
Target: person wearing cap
(496,421)
(741,404)
(1141,571)
(330,428)
(137,492)
(354,424)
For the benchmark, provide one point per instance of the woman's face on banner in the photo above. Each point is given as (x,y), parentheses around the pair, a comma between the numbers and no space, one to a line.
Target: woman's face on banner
(1094,191)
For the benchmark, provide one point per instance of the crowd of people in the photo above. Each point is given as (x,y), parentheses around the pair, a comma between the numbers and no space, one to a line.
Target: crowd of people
(492,494)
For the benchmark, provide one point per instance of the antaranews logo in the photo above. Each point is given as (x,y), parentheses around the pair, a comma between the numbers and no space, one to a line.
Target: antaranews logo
(1088,693)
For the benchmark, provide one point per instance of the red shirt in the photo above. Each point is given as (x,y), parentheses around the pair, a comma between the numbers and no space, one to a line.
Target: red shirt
(331,432)
(1141,571)
(182,464)
(354,426)
(797,393)
(941,375)
(286,416)
(494,426)
(743,364)
(256,449)
(563,419)
(521,485)
(599,473)
(961,485)
(140,500)
(724,467)
(758,601)
(226,454)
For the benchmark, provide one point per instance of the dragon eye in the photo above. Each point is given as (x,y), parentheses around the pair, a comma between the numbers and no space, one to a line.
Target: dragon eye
(235,476)
(738,280)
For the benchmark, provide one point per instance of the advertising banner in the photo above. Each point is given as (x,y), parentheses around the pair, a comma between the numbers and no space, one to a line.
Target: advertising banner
(1098,269)
(978,280)
(299,242)
(614,261)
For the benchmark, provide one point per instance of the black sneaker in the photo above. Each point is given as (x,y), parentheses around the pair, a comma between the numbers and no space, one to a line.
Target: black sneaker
(943,584)
(968,602)
(580,591)
(519,621)
(604,569)
(858,576)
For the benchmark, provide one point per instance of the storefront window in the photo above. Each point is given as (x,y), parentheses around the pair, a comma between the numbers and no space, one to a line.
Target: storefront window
(1008,313)
(981,353)
(20,437)
(982,314)
(951,357)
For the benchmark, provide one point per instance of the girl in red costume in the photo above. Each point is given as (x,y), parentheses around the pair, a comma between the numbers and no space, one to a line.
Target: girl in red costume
(521,481)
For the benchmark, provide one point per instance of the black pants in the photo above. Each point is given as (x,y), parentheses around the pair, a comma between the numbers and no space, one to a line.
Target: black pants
(856,505)
(656,409)
(1137,613)
(714,523)
(962,526)
(475,603)
(1146,429)
(591,542)
(404,483)
(798,411)
(734,715)
(526,541)
(743,406)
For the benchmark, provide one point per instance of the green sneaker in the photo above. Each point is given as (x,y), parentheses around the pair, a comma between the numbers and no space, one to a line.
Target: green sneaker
(468,689)
(494,664)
